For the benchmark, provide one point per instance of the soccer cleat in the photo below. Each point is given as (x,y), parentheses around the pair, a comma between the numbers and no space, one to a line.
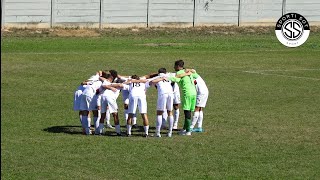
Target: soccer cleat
(169,134)
(182,132)
(158,135)
(175,127)
(129,135)
(109,126)
(145,135)
(135,126)
(185,133)
(164,127)
(198,130)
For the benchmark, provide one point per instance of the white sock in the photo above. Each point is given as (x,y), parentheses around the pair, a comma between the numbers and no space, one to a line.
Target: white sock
(101,126)
(170,124)
(134,119)
(200,119)
(80,116)
(125,115)
(176,116)
(158,124)
(89,122)
(97,120)
(194,119)
(146,129)
(118,129)
(129,129)
(85,121)
(164,118)
(108,116)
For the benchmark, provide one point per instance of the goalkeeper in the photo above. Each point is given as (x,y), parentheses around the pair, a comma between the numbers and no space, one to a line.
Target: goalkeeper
(189,94)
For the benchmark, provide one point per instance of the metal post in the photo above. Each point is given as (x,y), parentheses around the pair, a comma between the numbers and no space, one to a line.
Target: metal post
(284,3)
(239,12)
(101,14)
(53,4)
(148,4)
(3,2)
(194,13)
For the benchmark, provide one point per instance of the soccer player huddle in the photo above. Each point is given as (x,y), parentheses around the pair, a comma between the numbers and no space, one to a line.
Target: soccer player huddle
(98,95)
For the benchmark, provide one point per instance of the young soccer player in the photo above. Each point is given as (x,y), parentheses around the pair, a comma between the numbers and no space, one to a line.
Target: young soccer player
(189,94)
(165,100)
(89,102)
(137,98)
(202,97)
(108,99)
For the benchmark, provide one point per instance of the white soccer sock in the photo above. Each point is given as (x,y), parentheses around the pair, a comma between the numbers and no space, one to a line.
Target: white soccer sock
(176,116)
(170,123)
(97,120)
(108,116)
(89,121)
(129,129)
(125,115)
(85,121)
(158,124)
(164,118)
(118,129)
(200,119)
(194,119)
(134,119)
(80,116)
(101,126)
(146,129)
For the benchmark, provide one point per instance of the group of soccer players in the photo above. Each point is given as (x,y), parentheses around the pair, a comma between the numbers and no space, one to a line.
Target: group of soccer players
(98,95)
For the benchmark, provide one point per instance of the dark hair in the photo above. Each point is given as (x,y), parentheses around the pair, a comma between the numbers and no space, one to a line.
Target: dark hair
(179,63)
(107,75)
(104,73)
(135,77)
(114,73)
(162,70)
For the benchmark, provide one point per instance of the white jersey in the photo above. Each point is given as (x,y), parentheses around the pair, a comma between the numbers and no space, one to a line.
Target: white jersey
(91,88)
(164,87)
(136,89)
(108,92)
(174,85)
(201,86)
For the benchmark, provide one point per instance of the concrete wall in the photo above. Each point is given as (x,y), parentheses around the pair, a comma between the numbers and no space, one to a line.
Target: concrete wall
(147,13)
(124,13)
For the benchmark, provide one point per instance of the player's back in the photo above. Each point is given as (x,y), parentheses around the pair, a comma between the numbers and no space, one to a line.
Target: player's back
(164,87)
(201,85)
(137,89)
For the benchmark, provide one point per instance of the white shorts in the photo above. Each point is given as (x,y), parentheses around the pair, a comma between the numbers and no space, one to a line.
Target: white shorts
(202,100)
(165,102)
(141,102)
(125,96)
(77,100)
(88,103)
(176,98)
(77,97)
(109,101)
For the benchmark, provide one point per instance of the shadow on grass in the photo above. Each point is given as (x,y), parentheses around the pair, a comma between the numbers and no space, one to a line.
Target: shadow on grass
(70,129)
(64,129)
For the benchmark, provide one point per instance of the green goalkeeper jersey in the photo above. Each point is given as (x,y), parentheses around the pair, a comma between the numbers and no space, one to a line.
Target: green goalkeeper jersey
(186,83)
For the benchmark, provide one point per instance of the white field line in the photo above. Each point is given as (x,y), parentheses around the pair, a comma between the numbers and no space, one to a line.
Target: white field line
(262,72)
(143,52)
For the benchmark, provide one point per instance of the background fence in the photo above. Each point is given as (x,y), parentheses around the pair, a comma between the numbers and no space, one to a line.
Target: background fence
(146,13)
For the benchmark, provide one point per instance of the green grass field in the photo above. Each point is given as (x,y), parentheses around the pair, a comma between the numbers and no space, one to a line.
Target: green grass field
(262,119)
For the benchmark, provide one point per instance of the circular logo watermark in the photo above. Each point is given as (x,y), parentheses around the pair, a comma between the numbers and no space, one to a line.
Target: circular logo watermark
(292,29)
